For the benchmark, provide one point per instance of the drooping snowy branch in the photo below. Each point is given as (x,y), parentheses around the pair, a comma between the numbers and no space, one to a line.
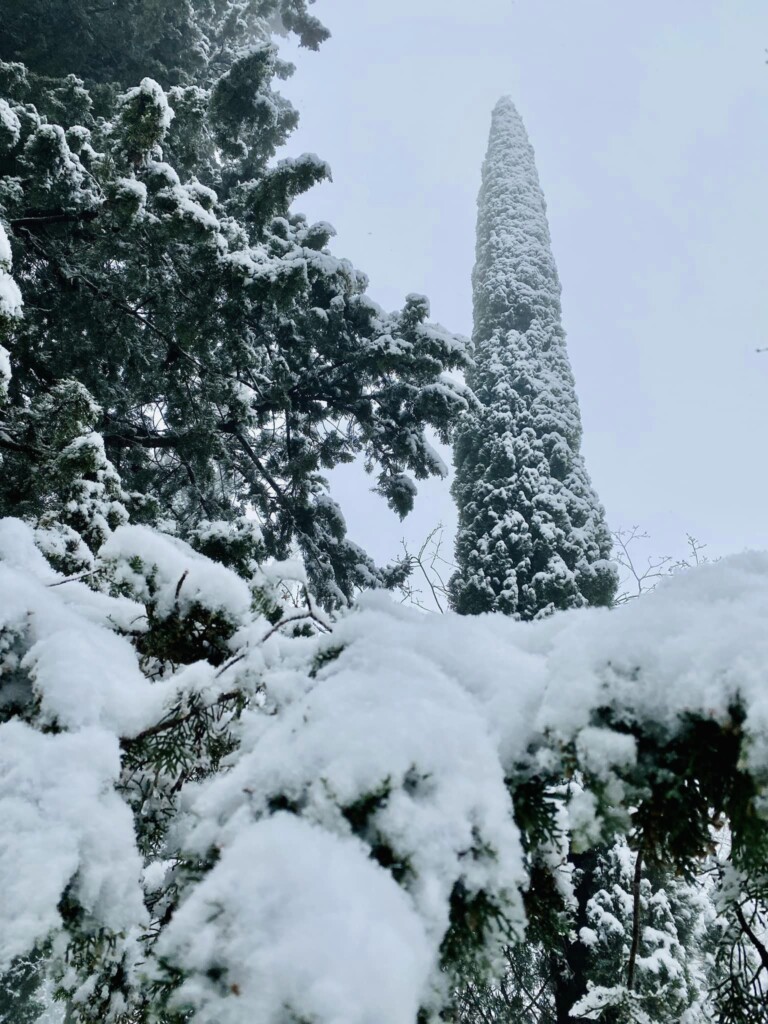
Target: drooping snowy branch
(372,770)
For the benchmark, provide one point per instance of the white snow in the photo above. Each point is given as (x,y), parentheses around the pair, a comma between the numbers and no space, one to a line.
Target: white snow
(317,932)
(10,124)
(62,821)
(189,209)
(106,687)
(173,575)
(151,90)
(393,733)
(600,750)
(10,296)
(6,257)
(384,719)
(5,370)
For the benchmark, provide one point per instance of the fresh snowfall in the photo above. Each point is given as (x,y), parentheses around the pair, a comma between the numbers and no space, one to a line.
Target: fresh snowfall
(243,779)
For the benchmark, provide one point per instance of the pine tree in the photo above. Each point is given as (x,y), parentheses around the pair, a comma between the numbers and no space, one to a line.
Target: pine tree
(233,358)
(191,354)
(532,534)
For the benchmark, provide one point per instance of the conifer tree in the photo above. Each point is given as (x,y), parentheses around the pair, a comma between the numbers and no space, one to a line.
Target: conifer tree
(650,939)
(209,787)
(532,535)
(233,358)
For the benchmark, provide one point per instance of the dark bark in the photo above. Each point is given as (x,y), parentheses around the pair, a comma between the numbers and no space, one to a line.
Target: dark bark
(570,965)
(635,919)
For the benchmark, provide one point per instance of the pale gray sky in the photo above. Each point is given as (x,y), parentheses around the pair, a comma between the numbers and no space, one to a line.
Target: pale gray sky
(650,126)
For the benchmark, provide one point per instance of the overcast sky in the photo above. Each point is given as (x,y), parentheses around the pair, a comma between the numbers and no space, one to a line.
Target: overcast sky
(650,126)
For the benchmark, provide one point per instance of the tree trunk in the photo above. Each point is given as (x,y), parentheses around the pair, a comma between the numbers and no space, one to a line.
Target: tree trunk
(569,966)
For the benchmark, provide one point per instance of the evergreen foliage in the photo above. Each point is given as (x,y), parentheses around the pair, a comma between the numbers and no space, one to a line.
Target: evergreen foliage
(232,357)
(222,802)
(650,938)
(123,41)
(532,535)
(532,538)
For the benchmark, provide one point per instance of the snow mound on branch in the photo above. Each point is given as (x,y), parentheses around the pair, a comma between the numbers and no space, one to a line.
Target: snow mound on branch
(83,674)
(153,95)
(368,791)
(173,576)
(10,125)
(5,371)
(404,736)
(385,744)
(10,296)
(62,821)
(315,931)
(697,645)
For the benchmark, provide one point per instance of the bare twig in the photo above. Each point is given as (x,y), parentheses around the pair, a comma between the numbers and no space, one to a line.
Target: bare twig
(642,578)
(427,560)
(74,579)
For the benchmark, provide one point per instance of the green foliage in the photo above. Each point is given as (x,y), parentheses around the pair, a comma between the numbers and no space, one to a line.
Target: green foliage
(739,980)
(233,358)
(20,1001)
(193,355)
(645,941)
(123,41)
(55,472)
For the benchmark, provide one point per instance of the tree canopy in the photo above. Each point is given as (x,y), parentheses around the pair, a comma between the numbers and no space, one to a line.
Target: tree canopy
(232,356)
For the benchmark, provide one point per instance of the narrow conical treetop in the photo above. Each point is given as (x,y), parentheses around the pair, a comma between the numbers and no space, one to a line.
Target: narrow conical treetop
(532,535)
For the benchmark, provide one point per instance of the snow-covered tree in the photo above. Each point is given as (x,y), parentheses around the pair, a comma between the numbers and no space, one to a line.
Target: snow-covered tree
(211,792)
(110,41)
(233,358)
(738,977)
(218,805)
(221,803)
(532,534)
(532,537)
(650,938)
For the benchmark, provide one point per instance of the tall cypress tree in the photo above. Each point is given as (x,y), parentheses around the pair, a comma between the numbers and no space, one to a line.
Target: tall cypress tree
(532,535)
(532,538)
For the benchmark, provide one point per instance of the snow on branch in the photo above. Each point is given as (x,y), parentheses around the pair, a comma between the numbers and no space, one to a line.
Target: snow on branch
(373,769)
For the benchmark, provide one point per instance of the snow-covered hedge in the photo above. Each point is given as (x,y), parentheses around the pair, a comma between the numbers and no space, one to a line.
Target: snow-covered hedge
(300,816)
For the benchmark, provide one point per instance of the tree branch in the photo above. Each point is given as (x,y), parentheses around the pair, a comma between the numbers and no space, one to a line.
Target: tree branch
(45,218)
(762,952)
(635,919)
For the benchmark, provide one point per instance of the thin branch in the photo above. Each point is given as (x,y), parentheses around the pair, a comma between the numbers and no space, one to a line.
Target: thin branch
(762,951)
(127,742)
(248,449)
(300,616)
(74,579)
(43,219)
(10,445)
(635,919)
